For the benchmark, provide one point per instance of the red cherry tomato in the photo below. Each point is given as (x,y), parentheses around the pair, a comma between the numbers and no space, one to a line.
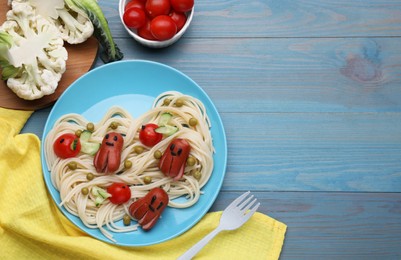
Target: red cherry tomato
(182,5)
(157,7)
(179,19)
(163,27)
(120,193)
(67,146)
(148,136)
(144,31)
(134,17)
(135,3)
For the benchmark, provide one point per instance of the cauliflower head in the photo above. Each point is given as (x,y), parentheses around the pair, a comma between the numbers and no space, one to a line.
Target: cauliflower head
(36,51)
(77,20)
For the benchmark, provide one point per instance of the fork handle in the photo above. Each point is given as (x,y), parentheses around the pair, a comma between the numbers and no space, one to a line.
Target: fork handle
(198,246)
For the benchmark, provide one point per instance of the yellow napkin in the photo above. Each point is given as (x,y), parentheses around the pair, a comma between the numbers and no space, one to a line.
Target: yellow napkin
(32,227)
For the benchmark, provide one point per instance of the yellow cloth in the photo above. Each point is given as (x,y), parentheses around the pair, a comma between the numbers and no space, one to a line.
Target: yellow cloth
(32,227)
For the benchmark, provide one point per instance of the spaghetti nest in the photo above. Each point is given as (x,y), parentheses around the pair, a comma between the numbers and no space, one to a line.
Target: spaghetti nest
(144,173)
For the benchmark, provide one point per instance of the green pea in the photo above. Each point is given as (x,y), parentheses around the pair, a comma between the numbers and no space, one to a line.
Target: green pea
(114,125)
(72,165)
(158,154)
(197,175)
(127,164)
(78,132)
(90,127)
(179,102)
(126,220)
(90,176)
(193,121)
(191,161)
(85,191)
(138,149)
(147,179)
(166,101)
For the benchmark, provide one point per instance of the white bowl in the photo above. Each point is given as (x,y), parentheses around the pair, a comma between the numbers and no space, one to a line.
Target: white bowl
(150,43)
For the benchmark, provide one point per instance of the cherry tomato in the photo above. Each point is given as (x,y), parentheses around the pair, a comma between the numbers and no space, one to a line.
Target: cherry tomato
(135,3)
(157,7)
(182,5)
(148,136)
(144,31)
(120,193)
(134,17)
(163,27)
(67,146)
(179,19)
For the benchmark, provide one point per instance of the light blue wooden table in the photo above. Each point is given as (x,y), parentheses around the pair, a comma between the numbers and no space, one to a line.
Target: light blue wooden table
(310,96)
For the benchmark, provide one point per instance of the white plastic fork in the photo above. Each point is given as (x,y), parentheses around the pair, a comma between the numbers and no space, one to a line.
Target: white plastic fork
(233,217)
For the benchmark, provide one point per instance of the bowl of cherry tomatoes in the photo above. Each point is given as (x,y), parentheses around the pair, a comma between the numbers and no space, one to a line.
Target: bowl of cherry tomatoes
(156,23)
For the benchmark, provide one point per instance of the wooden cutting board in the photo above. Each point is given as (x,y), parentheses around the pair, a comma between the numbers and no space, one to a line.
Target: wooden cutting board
(80,59)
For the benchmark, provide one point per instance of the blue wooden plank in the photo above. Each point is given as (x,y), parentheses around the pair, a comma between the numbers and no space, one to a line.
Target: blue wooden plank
(288,75)
(314,151)
(284,18)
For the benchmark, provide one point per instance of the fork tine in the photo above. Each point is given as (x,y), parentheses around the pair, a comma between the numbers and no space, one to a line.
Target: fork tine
(254,209)
(249,214)
(247,207)
(238,200)
(245,202)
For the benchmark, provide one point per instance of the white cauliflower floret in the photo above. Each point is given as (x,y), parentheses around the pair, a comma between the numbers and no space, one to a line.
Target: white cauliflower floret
(36,54)
(74,25)
(72,22)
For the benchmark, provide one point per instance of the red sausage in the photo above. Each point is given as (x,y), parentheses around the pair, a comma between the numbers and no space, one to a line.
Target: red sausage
(174,158)
(147,210)
(108,158)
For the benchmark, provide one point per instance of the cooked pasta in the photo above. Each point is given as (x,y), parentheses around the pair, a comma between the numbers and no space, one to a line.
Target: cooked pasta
(70,181)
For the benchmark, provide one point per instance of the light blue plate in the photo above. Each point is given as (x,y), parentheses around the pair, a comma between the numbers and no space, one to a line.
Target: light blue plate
(134,85)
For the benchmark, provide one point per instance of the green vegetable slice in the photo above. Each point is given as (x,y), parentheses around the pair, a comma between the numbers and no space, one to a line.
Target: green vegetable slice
(74,144)
(86,146)
(166,130)
(85,136)
(97,191)
(90,148)
(8,70)
(100,195)
(164,119)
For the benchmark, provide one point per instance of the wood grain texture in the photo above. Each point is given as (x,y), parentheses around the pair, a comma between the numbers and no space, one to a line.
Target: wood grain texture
(287,75)
(285,18)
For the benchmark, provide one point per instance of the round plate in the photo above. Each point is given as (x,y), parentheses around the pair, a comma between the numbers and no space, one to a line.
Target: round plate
(134,85)
(80,59)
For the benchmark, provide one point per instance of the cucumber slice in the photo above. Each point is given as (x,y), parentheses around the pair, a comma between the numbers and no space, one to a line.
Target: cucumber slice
(86,146)
(164,119)
(100,195)
(98,201)
(166,130)
(74,144)
(89,148)
(85,136)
